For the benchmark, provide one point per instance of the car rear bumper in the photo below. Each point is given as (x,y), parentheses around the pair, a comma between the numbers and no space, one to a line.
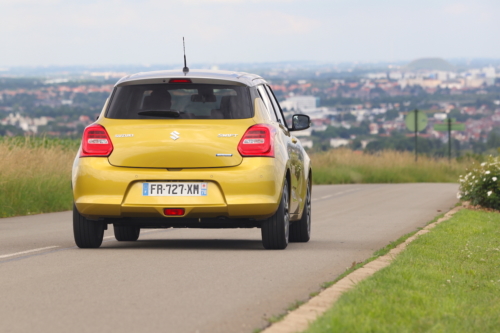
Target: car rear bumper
(249,190)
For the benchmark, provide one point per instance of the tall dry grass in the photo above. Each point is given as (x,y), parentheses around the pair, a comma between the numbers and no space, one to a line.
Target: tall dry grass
(343,166)
(35,175)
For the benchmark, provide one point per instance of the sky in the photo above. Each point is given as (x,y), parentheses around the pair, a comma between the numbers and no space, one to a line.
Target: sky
(120,32)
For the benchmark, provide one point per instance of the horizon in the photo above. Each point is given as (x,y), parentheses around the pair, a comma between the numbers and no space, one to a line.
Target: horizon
(459,64)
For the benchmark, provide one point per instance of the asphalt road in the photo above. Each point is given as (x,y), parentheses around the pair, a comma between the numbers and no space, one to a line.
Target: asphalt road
(190,280)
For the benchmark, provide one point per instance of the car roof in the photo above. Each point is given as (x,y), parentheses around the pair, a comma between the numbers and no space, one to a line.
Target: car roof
(196,76)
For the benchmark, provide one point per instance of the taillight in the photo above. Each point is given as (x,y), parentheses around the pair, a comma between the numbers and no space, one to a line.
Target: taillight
(174,211)
(96,141)
(257,141)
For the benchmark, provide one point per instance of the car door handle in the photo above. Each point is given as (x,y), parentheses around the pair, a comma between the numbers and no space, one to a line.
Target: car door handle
(294,139)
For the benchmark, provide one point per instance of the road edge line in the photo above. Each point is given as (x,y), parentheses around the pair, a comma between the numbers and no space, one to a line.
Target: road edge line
(299,319)
(26,252)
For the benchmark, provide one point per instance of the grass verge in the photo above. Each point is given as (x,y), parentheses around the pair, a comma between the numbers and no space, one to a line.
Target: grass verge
(343,166)
(445,281)
(35,175)
(354,266)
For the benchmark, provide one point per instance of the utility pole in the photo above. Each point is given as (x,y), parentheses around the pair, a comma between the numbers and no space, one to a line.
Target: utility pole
(416,122)
(449,139)
(416,135)
(448,126)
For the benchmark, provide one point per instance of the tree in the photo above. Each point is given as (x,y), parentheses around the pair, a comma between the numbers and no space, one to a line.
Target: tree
(348,117)
(391,114)
(493,140)
(10,130)
(356,144)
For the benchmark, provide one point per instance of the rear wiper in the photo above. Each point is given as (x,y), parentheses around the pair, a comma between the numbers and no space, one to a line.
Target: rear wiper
(160,113)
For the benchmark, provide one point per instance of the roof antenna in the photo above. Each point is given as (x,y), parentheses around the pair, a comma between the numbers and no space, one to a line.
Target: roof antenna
(185,69)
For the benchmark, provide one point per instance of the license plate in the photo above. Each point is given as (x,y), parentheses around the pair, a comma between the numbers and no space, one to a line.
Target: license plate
(174,189)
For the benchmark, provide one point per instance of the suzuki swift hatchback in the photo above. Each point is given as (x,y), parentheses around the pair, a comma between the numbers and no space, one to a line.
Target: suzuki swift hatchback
(206,149)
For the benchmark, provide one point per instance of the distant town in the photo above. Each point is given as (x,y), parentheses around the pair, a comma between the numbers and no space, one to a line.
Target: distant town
(359,109)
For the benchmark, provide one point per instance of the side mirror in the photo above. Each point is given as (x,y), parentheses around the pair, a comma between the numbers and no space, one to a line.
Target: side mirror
(300,122)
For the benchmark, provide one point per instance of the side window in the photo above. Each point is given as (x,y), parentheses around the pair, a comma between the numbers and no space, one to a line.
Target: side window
(276,105)
(267,102)
(255,95)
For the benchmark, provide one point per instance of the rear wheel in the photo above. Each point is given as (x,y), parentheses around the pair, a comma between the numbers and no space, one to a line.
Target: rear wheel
(88,234)
(125,233)
(275,230)
(300,231)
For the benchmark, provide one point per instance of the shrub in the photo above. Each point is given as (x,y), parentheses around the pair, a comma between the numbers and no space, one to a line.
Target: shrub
(481,185)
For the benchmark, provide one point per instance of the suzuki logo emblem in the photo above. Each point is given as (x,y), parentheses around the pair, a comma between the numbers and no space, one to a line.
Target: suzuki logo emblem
(174,135)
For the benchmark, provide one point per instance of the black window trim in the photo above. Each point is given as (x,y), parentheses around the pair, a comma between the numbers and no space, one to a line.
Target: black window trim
(272,106)
(278,104)
(109,102)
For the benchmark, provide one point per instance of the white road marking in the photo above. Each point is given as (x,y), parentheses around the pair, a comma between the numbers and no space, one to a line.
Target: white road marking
(65,248)
(25,252)
(332,195)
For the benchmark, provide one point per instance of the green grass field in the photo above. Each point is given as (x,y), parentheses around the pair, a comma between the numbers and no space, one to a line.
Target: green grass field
(445,281)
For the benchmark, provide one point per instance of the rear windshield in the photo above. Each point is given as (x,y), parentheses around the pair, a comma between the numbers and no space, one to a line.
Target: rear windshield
(180,101)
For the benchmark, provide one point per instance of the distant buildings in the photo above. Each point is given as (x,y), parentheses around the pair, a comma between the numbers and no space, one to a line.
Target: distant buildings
(339,142)
(299,103)
(359,102)
(27,124)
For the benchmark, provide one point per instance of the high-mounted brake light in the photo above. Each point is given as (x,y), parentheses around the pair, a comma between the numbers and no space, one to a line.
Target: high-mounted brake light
(258,140)
(180,81)
(96,142)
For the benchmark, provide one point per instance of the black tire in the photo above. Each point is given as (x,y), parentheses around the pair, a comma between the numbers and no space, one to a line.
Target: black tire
(275,230)
(300,231)
(125,233)
(88,234)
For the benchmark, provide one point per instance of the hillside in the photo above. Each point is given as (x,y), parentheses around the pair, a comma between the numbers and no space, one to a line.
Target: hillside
(430,64)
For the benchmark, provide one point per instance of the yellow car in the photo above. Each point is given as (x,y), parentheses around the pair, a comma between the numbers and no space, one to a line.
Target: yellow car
(203,149)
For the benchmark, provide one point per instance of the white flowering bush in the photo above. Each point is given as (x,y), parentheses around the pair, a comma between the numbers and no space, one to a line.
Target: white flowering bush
(480,185)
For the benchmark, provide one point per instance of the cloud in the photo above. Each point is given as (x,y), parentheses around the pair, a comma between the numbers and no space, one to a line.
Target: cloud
(128,31)
(457,8)
(29,2)
(235,1)
(471,11)
(279,23)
